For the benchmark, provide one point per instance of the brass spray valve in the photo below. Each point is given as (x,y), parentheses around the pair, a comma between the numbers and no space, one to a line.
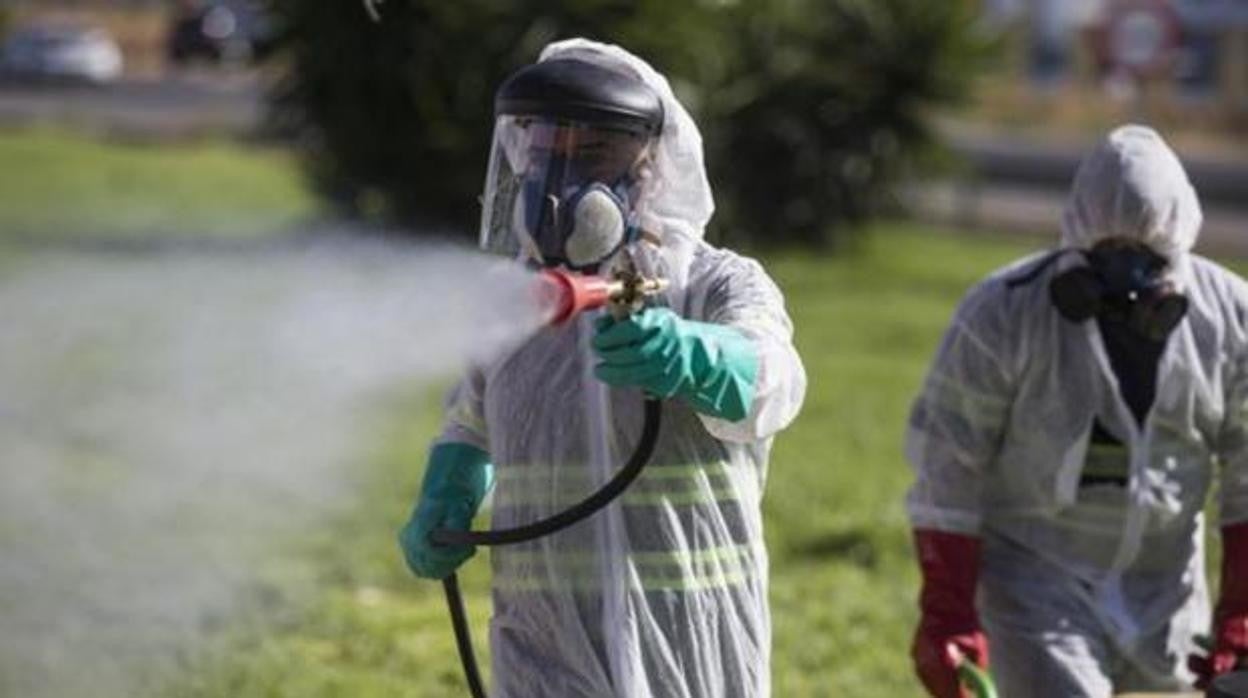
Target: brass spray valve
(628,292)
(569,293)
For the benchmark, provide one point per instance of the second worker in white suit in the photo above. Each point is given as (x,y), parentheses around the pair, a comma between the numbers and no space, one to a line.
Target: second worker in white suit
(1065,442)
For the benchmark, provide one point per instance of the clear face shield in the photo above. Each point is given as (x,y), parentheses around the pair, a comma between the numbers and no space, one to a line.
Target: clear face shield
(563,193)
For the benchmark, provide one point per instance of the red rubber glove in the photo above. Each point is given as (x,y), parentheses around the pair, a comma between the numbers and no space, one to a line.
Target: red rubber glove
(949,627)
(1230,616)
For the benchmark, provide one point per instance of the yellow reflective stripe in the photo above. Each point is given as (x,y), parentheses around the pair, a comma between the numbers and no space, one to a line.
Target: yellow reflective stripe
(564,486)
(664,570)
(563,500)
(959,387)
(1106,460)
(978,409)
(582,473)
(1107,449)
(723,553)
(684,584)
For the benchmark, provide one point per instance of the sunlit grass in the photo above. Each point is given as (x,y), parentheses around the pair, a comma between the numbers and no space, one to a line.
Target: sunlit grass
(338,615)
(60,186)
(843,581)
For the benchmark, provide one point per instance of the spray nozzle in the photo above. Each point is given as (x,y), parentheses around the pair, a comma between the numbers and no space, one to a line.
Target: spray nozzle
(568,293)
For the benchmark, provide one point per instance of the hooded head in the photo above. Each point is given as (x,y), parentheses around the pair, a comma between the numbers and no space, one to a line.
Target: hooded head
(682,202)
(1132,187)
(666,195)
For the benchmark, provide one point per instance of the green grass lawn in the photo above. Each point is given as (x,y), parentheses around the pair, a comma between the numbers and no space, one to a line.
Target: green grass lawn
(56,185)
(843,581)
(340,616)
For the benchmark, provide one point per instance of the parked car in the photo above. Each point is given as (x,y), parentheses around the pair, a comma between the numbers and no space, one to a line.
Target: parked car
(219,31)
(61,53)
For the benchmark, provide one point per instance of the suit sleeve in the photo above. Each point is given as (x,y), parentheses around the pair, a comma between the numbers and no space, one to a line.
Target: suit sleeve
(744,297)
(464,409)
(1233,443)
(957,421)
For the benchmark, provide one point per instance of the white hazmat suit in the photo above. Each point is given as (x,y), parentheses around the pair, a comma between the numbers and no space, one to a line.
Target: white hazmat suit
(663,594)
(1085,589)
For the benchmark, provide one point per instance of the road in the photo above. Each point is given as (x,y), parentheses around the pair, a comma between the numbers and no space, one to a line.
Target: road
(1221,179)
(178,106)
(1008,207)
(1013,184)
(1020,185)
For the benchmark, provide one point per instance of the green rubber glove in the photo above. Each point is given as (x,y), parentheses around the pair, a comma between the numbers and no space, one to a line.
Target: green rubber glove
(457,478)
(712,366)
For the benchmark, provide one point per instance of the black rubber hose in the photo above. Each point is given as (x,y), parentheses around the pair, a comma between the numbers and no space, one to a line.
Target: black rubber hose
(577,512)
(587,507)
(463,637)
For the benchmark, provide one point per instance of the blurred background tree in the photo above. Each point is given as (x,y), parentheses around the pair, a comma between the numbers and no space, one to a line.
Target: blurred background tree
(396,115)
(824,106)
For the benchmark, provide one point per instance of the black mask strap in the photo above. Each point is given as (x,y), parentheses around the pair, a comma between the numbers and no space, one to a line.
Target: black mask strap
(1076,292)
(1029,275)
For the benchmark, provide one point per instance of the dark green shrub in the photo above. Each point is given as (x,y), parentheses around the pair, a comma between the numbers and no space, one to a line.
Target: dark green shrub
(823,105)
(810,108)
(395,116)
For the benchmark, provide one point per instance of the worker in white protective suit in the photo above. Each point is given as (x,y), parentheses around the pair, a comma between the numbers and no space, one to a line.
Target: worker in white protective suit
(1065,440)
(663,594)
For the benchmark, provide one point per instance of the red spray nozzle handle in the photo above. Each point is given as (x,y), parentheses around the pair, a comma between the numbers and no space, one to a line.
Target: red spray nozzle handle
(570,293)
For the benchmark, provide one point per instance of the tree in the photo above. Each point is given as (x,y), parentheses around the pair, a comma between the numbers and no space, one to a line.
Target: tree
(826,104)
(810,109)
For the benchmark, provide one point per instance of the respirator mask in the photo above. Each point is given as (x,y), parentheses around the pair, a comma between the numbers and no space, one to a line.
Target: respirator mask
(568,179)
(1121,282)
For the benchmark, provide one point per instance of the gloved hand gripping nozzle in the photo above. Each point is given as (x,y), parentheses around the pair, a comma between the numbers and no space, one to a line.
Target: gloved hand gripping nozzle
(565,294)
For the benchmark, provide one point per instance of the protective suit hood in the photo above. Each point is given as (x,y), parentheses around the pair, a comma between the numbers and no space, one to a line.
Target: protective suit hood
(1133,186)
(662,594)
(682,203)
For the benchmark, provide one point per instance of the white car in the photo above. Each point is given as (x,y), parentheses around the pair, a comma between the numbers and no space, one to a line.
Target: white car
(61,53)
